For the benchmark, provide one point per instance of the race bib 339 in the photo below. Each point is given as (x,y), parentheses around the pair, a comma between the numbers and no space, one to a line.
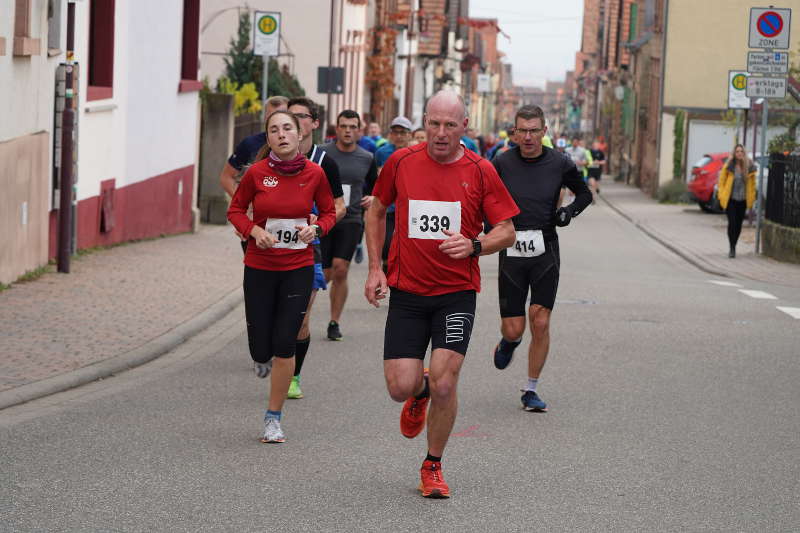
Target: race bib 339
(427,219)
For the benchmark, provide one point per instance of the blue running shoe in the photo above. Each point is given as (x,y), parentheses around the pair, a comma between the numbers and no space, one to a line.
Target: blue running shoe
(504,353)
(532,402)
(359,255)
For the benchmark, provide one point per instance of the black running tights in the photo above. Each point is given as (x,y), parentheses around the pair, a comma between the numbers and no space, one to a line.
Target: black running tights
(275,302)
(736,210)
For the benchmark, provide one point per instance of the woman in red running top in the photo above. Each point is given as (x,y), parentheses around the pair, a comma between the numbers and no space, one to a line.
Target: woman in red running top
(282,185)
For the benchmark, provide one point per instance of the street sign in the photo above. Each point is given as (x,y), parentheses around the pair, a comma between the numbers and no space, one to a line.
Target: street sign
(768,62)
(483,83)
(737,85)
(769,27)
(266,33)
(330,80)
(766,87)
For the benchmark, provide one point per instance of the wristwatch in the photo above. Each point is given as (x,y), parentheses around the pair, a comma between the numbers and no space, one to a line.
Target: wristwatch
(317,230)
(476,248)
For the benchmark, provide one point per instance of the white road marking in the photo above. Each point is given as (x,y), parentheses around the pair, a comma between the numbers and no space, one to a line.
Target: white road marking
(761,295)
(793,312)
(724,283)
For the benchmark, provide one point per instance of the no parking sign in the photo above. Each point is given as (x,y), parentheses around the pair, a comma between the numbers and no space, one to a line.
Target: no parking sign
(769,27)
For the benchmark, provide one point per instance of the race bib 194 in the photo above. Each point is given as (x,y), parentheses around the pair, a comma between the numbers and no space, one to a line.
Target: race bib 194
(427,219)
(286,233)
(530,243)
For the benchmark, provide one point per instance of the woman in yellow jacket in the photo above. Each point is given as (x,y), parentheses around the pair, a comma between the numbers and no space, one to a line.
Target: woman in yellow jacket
(736,192)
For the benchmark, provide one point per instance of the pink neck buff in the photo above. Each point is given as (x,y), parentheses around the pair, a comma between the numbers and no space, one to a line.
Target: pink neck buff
(287,167)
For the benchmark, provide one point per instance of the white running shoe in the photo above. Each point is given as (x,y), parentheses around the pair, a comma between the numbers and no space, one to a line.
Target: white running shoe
(262,370)
(273,431)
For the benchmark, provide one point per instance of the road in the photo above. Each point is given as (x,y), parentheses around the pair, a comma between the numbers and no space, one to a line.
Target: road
(673,407)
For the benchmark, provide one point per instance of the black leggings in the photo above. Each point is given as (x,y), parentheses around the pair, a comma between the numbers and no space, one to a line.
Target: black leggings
(736,210)
(275,302)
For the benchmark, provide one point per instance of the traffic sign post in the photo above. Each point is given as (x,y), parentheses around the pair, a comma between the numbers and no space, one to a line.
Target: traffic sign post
(266,43)
(737,85)
(767,62)
(769,28)
(764,87)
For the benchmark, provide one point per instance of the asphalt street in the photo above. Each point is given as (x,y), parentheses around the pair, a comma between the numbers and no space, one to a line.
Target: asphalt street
(674,406)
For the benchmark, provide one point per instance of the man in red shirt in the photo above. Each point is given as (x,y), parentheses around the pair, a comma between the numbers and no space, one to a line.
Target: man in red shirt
(442,195)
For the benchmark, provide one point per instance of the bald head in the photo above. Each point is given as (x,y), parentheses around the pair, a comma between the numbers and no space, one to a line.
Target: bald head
(445,121)
(449,102)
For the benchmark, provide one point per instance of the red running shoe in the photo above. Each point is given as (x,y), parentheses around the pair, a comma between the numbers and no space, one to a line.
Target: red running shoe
(432,484)
(412,418)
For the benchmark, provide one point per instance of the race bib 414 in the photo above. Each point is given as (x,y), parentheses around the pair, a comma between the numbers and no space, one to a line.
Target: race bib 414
(427,219)
(530,243)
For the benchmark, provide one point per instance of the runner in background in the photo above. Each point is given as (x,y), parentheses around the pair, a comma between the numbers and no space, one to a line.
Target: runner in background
(307,114)
(399,134)
(597,167)
(357,172)
(418,136)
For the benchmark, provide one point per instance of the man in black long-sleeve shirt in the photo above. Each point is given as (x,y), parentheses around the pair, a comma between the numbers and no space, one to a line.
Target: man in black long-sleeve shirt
(534,175)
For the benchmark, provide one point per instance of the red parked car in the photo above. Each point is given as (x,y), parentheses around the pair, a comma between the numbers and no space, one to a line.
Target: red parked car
(703,186)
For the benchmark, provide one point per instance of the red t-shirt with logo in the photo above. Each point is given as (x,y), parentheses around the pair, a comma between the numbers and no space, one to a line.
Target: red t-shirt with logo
(279,203)
(430,196)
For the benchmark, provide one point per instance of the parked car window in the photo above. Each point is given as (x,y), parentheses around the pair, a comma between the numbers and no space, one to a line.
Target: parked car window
(702,162)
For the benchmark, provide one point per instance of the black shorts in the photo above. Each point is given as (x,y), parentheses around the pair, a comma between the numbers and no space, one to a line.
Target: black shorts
(341,242)
(387,242)
(596,173)
(518,274)
(275,303)
(414,321)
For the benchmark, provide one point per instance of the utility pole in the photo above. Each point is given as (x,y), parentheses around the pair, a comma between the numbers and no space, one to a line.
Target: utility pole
(67,158)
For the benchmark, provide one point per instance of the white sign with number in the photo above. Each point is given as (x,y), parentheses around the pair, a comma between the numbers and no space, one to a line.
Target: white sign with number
(484,83)
(530,243)
(427,219)
(769,28)
(768,62)
(266,33)
(346,194)
(737,94)
(766,87)
(285,232)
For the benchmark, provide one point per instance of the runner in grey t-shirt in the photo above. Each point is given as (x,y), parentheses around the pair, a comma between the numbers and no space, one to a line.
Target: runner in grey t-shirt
(358,174)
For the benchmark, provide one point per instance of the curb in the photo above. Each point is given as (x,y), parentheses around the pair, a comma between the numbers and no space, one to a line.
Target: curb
(689,258)
(150,350)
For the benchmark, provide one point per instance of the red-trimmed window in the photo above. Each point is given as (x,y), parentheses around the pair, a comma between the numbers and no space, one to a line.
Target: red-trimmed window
(101,49)
(190,47)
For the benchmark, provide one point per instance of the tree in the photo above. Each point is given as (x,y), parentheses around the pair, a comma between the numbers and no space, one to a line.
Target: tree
(242,67)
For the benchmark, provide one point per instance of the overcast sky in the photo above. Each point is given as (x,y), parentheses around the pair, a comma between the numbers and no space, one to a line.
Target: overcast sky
(545,34)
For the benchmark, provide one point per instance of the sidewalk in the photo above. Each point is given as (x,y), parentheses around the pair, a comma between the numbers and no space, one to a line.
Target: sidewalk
(116,309)
(700,238)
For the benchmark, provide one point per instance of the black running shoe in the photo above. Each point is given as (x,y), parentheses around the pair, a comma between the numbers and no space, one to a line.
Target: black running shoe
(334,333)
(504,353)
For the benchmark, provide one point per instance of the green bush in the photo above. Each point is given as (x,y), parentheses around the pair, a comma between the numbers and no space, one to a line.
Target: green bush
(673,192)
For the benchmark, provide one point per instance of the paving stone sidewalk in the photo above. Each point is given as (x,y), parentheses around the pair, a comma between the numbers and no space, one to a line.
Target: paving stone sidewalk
(113,301)
(699,237)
